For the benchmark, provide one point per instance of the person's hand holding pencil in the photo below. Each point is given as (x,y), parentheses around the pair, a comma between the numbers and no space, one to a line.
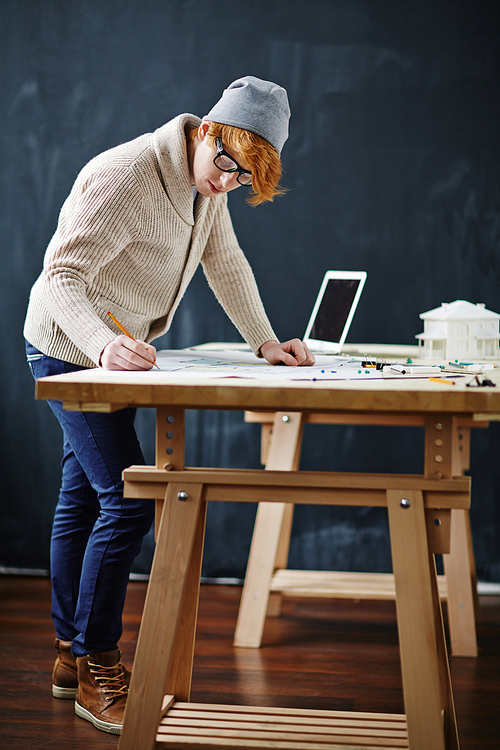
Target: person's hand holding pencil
(126,353)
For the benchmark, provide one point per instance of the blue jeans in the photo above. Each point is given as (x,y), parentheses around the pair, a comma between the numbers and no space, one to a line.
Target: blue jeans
(97,532)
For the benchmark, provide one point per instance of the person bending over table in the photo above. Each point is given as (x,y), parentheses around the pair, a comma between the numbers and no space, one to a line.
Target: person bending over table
(138,221)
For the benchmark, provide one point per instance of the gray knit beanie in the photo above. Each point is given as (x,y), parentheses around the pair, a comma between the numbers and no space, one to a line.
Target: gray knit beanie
(256,105)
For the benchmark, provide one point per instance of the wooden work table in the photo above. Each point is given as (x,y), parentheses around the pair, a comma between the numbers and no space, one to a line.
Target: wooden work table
(101,390)
(419,507)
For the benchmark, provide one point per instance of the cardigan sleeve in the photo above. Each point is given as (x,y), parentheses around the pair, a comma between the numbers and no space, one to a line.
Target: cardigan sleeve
(232,280)
(96,222)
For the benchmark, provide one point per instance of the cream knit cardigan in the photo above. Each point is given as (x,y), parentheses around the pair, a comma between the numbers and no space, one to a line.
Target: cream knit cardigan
(127,241)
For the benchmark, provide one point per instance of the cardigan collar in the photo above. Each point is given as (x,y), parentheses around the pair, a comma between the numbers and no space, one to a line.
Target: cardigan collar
(169,143)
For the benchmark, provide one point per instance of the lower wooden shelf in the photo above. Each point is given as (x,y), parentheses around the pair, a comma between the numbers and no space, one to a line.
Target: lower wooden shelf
(335,585)
(205,725)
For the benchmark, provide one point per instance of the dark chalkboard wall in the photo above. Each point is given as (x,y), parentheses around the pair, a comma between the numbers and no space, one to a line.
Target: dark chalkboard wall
(392,167)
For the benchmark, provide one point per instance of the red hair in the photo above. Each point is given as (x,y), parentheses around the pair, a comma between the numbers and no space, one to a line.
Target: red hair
(263,160)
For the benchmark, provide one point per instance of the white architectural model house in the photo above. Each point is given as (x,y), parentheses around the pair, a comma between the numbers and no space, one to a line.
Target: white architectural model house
(460,330)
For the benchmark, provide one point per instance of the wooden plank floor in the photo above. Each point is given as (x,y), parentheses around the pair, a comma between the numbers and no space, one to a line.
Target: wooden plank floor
(334,655)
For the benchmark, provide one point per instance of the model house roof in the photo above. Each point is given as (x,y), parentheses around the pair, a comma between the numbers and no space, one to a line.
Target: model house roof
(459,310)
(438,332)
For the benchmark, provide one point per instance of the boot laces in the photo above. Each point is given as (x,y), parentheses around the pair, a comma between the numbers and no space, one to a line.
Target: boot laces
(111,680)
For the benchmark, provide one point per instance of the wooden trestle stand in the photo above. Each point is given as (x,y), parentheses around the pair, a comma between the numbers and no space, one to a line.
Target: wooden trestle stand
(159,713)
(268,579)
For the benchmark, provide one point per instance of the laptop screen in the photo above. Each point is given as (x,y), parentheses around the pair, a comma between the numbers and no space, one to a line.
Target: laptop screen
(334,309)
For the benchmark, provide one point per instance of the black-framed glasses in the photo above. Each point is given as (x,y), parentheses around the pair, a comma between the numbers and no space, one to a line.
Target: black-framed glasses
(226,163)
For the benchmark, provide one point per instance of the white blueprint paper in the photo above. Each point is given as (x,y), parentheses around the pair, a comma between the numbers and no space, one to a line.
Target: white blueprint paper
(243,364)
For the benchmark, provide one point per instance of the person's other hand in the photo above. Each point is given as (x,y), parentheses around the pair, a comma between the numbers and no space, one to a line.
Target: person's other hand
(293,353)
(125,353)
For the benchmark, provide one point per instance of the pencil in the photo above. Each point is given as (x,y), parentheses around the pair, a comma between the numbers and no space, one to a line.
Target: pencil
(127,333)
(443,380)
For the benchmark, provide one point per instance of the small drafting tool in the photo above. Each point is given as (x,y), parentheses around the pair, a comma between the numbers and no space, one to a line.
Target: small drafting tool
(122,328)
(372,362)
(471,366)
(484,383)
(411,369)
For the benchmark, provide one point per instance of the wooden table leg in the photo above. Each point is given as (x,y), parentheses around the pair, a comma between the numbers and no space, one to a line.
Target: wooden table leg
(179,524)
(462,586)
(169,447)
(424,664)
(445,454)
(275,602)
(283,455)
(181,665)
(464,436)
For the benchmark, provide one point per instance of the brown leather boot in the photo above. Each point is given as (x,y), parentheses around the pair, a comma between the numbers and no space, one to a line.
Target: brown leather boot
(102,690)
(64,677)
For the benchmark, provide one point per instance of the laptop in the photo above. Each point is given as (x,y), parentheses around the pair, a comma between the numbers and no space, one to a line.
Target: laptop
(334,310)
